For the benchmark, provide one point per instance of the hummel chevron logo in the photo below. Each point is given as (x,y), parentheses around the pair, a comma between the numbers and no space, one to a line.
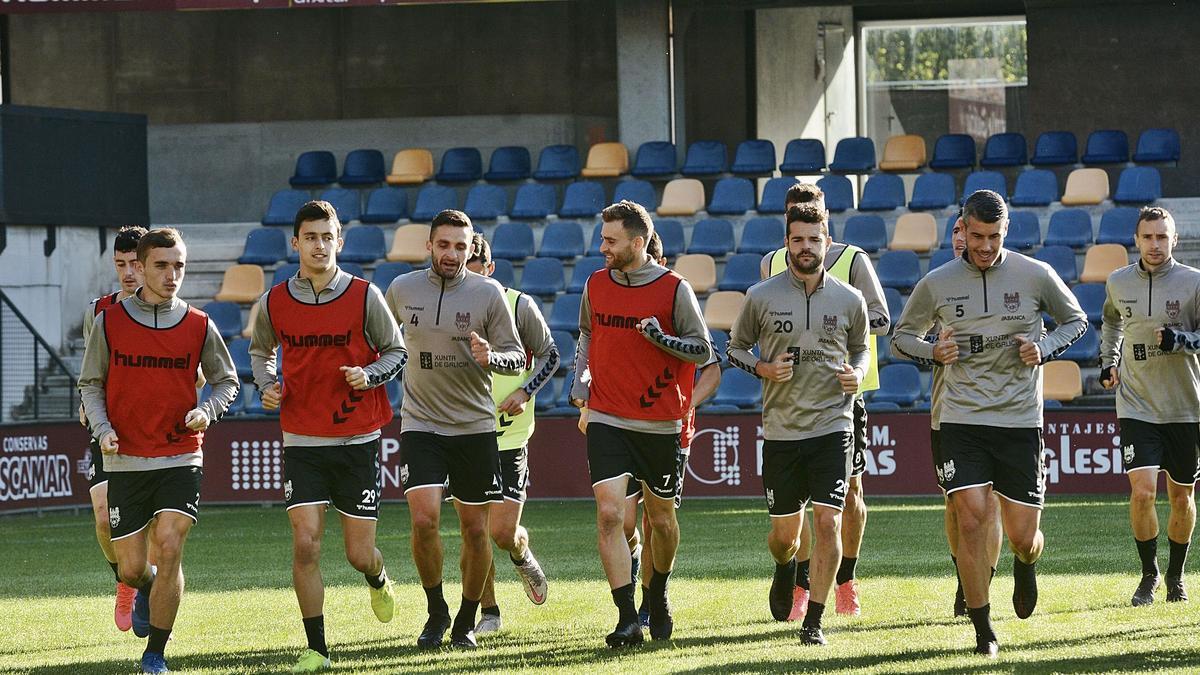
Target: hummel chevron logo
(655,392)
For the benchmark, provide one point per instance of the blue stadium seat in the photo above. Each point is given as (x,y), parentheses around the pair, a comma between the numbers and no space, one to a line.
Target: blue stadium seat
(264,246)
(362,167)
(713,236)
(866,232)
(460,165)
(284,272)
(1007,149)
(738,388)
(364,244)
(1069,227)
(803,156)
(239,349)
(227,316)
(564,315)
(510,162)
(705,158)
(534,201)
(345,202)
(932,191)
(883,345)
(316,168)
(593,248)
(883,192)
(755,157)
(985,180)
(953,151)
(562,239)
(761,235)
(894,302)
(583,199)
(939,257)
(1086,349)
(547,398)
(254,404)
(504,274)
(654,159)
(720,343)
(512,241)
(282,208)
(839,192)
(385,272)
(353,269)
(543,276)
(741,272)
(1106,146)
(774,194)
(899,270)
(883,407)
(433,199)
(566,349)
(1024,231)
(486,202)
(557,162)
(899,383)
(395,392)
(671,233)
(1091,298)
(853,155)
(1118,226)
(1157,145)
(385,205)
(584,267)
(1138,185)
(1035,187)
(1062,259)
(636,191)
(1055,148)
(731,196)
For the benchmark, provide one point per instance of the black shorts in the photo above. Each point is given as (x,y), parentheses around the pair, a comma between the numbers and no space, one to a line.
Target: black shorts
(347,476)
(514,474)
(814,468)
(653,459)
(1166,447)
(858,464)
(96,473)
(136,497)
(634,489)
(1011,460)
(468,465)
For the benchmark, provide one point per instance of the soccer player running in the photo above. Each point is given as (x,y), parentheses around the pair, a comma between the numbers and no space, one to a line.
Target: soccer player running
(124,262)
(514,399)
(1148,355)
(138,385)
(812,331)
(338,344)
(459,325)
(849,264)
(641,335)
(991,347)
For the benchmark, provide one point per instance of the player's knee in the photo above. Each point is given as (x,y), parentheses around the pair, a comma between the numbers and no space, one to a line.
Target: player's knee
(609,517)
(170,548)
(504,534)
(424,524)
(1183,501)
(1023,544)
(130,575)
(306,548)
(827,522)
(361,559)
(1142,496)
(475,530)
(663,521)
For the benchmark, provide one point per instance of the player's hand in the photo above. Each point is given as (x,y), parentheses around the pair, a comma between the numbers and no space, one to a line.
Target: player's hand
(645,324)
(1031,354)
(82,417)
(515,403)
(1109,378)
(109,444)
(849,379)
(356,377)
(196,420)
(945,350)
(583,420)
(271,396)
(779,370)
(1166,338)
(480,350)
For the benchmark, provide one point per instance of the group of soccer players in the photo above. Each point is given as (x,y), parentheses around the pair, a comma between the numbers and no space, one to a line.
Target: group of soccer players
(324,343)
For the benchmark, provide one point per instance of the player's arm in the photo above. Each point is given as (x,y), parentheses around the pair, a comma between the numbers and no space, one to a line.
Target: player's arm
(863,276)
(217,365)
(1060,303)
(1112,334)
(856,339)
(708,382)
(384,336)
(535,335)
(262,348)
(581,385)
(93,376)
(908,340)
(89,315)
(743,335)
(505,355)
(692,343)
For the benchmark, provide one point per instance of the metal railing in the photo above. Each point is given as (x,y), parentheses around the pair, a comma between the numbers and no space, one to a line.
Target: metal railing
(35,384)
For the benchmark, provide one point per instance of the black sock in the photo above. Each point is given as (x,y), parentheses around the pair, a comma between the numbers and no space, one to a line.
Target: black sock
(115,572)
(982,618)
(1148,553)
(494,610)
(519,561)
(464,621)
(1178,557)
(813,618)
(377,581)
(158,639)
(846,570)
(802,574)
(658,585)
(435,604)
(314,629)
(623,599)
(788,570)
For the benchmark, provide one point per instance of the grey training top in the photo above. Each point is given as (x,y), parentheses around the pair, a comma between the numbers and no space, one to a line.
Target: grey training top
(862,278)
(535,337)
(821,331)
(447,392)
(691,344)
(1161,387)
(378,325)
(989,384)
(215,363)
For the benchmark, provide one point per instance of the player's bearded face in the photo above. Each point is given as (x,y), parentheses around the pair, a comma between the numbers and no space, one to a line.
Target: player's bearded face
(617,246)
(449,250)
(127,272)
(806,247)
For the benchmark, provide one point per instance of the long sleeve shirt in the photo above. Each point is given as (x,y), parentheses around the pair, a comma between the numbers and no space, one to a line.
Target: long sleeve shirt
(862,277)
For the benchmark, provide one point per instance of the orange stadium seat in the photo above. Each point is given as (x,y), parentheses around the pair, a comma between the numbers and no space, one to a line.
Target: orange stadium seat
(1085,187)
(242,283)
(408,244)
(1101,261)
(606,160)
(699,269)
(722,308)
(1062,381)
(914,232)
(903,153)
(411,166)
(682,197)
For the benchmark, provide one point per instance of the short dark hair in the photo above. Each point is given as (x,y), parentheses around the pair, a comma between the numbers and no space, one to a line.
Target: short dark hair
(128,238)
(985,206)
(163,237)
(804,193)
(633,216)
(481,250)
(808,213)
(450,217)
(1150,214)
(654,247)
(316,210)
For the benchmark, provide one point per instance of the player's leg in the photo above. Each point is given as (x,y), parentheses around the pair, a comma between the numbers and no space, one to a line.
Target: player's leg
(355,482)
(665,534)
(1143,519)
(854,518)
(510,535)
(475,562)
(827,545)
(1181,463)
(632,536)
(786,498)
(172,531)
(971,508)
(643,559)
(423,470)
(98,493)
(825,466)
(1020,482)
(610,467)
(308,527)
